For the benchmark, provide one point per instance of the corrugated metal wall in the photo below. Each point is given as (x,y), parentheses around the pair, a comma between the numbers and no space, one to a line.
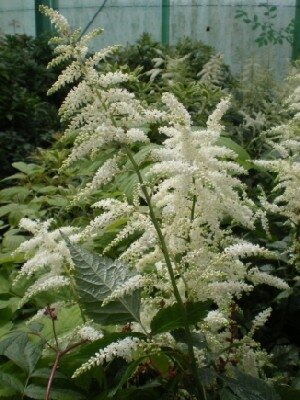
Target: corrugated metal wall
(212,21)
(17,16)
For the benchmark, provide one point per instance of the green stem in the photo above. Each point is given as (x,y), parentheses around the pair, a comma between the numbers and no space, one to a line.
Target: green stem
(163,245)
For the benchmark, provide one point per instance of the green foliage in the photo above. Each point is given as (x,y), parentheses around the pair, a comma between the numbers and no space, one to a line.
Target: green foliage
(246,387)
(96,278)
(28,117)
(170,318)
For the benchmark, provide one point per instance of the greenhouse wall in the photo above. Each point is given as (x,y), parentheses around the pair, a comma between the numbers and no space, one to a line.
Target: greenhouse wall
(212,21)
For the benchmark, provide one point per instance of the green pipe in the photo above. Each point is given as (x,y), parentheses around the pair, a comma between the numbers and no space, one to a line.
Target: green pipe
(165,22)
(42,23)
(296,41)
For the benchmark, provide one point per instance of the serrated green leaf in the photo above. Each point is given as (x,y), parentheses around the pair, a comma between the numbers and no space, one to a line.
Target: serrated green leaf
(129,371)
(247,387)
(28,169)
(58,201)
(45,189)
(288,393)
(8,258)
(207,376)
(128,181)
(38,393)
(4,284)
(160,362)
(21,351)
(18,175)
(96,278)
(170,318)
(45,372)
(11,242)
(198,339)
(4,210)
(225,394)
(11,381)
(18,193)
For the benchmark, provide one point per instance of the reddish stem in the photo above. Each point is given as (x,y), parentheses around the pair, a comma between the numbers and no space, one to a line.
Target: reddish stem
(59,354)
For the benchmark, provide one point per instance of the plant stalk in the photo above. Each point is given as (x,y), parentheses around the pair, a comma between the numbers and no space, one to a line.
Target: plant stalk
(59,355)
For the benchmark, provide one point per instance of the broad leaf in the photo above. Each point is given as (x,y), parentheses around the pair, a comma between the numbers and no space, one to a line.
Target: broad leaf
(288,393)
(129,371)
(38,392)
(225,394)
(21,351)
(11,381)
(96,278)
(198,339)
(28,169)
(243,157)
(247,387)
(171,318)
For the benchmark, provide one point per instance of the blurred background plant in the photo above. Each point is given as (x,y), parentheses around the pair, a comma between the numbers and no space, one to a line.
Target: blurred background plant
(28,116)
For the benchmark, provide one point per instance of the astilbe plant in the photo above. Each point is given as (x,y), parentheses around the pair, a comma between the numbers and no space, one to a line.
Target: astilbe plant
(284,142)
(174,289)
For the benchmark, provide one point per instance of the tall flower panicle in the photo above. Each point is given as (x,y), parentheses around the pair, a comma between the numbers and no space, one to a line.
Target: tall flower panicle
(285,140)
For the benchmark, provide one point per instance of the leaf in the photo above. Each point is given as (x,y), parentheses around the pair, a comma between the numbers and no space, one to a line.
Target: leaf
(24,353)
(18,175)
(4,210)
(58,201)
(198,339)
(96,278)
(38,392)
(129,371)
(15,192)
(45,372)
(243,157)
(206,376)
(5,328)
(247,387)
(288,393)
(4,284)
(68,319)
(225,394)
(160,362)
(11,381)
(8,258)
(127,182)
(45,189)
(170,318)
(28,169)
(11,242)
